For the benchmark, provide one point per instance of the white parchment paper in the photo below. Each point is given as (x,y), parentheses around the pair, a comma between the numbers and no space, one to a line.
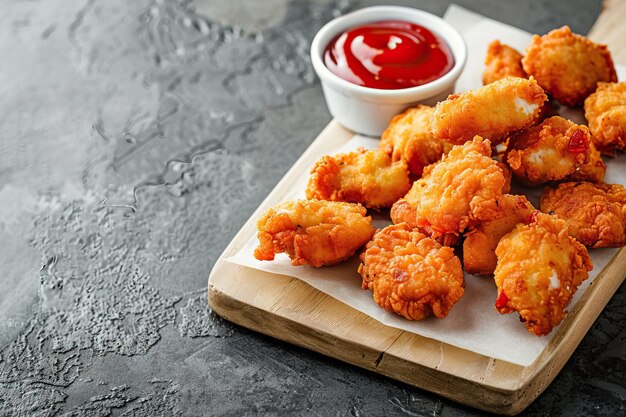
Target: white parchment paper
(473,323)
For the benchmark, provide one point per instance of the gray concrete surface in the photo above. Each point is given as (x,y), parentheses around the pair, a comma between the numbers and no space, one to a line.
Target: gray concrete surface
(137,137)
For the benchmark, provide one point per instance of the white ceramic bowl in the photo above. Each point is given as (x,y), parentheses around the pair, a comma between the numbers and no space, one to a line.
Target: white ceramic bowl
(368,110)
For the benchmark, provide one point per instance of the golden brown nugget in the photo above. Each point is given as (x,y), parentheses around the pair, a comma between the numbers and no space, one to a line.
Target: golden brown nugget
(479,246)
(540,267)
(595,213)
(568,66)
(549,151)
(411,274)
(442,201)
(408,138)
(592,170)
(502,61)
(366,177)
(493,111)
(313,232)
(605,110)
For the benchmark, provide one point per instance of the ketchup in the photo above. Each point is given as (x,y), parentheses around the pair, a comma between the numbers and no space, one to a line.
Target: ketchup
(388,55)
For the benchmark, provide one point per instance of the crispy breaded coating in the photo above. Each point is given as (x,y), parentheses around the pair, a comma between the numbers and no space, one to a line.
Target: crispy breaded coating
(568,66)
(493,111)
(605,110)
(508,176)
(441,202)
(595,213)
(479,246)
(593,170)
(408,138)
(366,177)
(403,210)
(411,274)
(539,269)
(549,151)
(313,232)
(502,61)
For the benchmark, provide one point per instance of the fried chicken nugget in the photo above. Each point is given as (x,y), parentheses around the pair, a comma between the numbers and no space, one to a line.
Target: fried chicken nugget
(408,138)
(492,111)
(595,213)
(549,151)
(441,202)
(313,232)
(411,274)
(479,246)
(502,61)
(366,177)
(568,66)
(605,110)
(539,269)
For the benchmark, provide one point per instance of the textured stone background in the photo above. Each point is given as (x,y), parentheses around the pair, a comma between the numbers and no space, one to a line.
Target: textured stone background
(137,137)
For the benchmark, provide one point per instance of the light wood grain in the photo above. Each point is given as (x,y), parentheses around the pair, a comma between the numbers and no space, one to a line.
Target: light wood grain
(290,310)
(610,29)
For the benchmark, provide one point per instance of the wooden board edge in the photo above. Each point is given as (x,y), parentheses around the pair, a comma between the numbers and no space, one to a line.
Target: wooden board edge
(483,397)
(609,28)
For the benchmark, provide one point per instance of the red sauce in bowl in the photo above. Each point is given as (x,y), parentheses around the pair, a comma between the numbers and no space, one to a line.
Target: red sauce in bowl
(388,55)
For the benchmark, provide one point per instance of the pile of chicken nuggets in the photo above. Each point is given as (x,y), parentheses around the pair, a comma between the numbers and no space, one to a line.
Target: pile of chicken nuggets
(444,176)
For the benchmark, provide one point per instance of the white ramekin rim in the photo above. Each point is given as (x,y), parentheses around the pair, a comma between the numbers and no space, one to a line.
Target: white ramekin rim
(434,23)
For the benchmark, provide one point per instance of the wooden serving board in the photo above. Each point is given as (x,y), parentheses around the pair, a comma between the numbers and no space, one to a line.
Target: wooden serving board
(291,310)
